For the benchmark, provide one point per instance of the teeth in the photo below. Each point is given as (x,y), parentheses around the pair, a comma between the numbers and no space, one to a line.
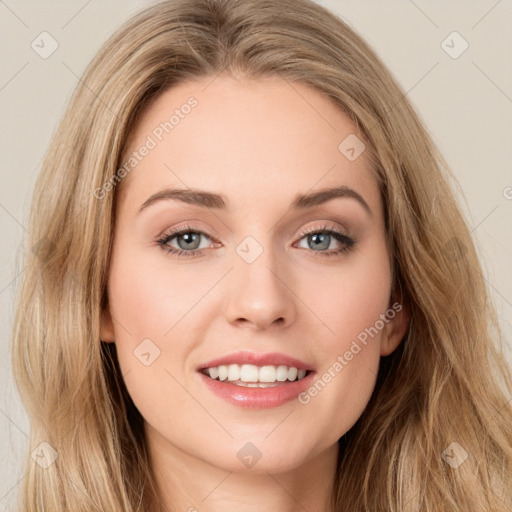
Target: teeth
(250,375)
(233,372)
(267,374)
(281,373)
(223,372)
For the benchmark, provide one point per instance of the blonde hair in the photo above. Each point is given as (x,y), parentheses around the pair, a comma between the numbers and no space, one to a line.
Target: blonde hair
(447,381)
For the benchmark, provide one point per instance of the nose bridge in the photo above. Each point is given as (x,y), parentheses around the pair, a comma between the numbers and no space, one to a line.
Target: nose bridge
(260,292)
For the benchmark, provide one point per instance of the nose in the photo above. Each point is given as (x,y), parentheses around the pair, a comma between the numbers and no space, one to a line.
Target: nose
(260,294)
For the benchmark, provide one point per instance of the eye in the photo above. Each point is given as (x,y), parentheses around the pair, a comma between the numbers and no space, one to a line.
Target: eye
(187,239)
(319,239)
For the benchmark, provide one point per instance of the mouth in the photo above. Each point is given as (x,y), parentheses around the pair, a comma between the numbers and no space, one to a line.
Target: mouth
(256,381)
(253,376)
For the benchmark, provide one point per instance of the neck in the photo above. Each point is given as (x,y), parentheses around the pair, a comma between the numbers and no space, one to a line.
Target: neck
(189,484)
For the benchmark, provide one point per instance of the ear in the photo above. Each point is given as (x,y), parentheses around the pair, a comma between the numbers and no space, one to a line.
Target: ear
(395,329)
(107,327)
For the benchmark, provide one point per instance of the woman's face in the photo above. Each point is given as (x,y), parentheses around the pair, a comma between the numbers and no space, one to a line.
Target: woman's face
(271,277)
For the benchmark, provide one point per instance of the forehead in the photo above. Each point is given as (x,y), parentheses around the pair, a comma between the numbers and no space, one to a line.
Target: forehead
(251,140)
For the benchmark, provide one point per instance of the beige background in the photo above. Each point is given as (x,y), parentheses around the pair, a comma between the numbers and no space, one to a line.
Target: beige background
(466,103)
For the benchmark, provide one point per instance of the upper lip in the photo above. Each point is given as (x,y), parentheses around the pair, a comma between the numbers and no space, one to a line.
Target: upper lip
(269,358)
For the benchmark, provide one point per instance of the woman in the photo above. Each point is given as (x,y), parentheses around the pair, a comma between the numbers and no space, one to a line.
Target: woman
(251,287)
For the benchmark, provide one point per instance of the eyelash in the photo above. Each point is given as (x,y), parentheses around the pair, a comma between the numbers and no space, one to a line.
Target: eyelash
(348,242)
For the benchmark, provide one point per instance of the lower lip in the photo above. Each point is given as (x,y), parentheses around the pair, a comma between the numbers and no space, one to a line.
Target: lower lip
(258,398)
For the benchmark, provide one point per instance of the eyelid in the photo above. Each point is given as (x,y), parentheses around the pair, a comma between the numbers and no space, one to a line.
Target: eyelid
(306,231)
(325,226)
(185,226)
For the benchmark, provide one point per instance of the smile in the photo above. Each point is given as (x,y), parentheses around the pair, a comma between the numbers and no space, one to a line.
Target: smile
(250,375)
(256,381)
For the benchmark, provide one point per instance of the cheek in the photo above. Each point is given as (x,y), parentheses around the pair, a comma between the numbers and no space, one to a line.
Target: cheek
(149,301)
(349,299)
(349,348)
(146,307)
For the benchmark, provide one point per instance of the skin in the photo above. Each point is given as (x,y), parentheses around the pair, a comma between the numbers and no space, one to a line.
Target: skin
(260,143)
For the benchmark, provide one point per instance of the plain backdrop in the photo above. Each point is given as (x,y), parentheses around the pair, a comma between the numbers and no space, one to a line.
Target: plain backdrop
(464,96)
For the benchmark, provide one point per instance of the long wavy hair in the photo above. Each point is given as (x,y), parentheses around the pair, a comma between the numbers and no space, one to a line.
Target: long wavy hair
(447,382)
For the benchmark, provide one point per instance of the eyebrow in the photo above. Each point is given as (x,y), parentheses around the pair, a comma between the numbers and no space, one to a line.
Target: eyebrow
(219,201)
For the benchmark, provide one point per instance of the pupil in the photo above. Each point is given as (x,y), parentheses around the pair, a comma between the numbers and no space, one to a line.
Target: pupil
(322,244)
(190,238)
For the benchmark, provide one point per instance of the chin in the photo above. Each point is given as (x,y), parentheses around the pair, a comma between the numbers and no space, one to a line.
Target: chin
(260,455)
